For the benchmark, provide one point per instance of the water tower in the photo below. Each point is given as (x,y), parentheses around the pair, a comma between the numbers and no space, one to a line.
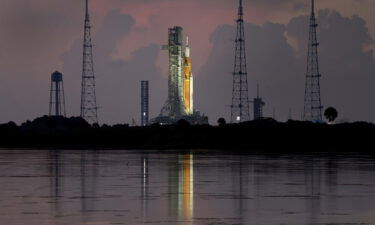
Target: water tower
(57,97)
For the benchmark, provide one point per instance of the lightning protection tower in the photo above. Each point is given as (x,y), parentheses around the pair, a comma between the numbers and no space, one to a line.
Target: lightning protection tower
(313,106)
(144,102)
(57,98)
(240,111)
(88,96)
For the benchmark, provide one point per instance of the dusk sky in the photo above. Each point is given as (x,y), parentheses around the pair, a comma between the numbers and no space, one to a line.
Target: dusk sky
(38,37)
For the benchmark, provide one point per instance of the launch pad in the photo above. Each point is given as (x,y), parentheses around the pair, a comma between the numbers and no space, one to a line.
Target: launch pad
(196,119)
(180,101)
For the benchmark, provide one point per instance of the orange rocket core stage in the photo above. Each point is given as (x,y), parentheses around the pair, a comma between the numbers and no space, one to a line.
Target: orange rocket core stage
(187,85)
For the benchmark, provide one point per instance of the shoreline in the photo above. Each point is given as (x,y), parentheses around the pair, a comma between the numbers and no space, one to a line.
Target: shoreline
(264,135)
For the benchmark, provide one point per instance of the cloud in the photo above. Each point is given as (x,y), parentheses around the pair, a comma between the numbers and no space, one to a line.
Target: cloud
(290,5)
(270,59)
(36,33)
(118,80)
(348,69)
(31,41)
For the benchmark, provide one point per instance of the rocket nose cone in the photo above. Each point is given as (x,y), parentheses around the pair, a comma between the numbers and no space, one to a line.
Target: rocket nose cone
(187,48)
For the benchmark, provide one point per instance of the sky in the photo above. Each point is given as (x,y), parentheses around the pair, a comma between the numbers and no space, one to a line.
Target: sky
(38,37)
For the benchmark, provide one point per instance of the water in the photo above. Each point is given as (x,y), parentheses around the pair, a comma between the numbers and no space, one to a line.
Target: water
(132,187)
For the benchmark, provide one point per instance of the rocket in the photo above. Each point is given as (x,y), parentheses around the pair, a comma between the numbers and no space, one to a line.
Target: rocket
(188,81)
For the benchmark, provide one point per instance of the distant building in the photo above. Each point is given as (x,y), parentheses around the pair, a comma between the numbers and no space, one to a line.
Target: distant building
(258,104)
(258,108)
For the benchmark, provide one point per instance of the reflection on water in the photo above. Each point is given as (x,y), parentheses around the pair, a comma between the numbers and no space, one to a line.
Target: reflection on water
(240,170)
(181,187)
(144,187)
(127,187)
(188,186)
(55,173)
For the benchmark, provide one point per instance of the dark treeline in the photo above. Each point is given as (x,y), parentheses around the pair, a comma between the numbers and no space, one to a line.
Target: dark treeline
(254,136)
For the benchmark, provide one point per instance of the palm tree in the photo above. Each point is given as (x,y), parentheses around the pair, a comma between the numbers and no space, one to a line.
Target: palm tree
(331,114)
(221,121)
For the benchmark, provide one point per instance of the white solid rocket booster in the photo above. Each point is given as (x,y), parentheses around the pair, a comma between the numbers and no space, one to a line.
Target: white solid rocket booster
(188,81)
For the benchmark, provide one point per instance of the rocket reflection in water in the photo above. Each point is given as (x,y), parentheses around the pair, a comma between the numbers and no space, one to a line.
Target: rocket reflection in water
(188,186)
(181,187)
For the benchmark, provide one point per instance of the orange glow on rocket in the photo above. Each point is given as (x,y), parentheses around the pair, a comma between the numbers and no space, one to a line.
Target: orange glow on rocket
(188,81)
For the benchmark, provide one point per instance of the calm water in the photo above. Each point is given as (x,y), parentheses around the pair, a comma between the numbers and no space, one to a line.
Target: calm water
(128,187)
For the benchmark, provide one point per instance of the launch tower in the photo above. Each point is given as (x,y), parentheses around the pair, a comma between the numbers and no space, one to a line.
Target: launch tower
(57,98)
(240,110)
(88,95)
(180,101)
(174,106)
(313,106)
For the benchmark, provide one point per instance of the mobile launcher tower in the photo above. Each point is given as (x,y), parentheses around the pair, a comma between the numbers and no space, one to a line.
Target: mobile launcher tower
(180,102)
